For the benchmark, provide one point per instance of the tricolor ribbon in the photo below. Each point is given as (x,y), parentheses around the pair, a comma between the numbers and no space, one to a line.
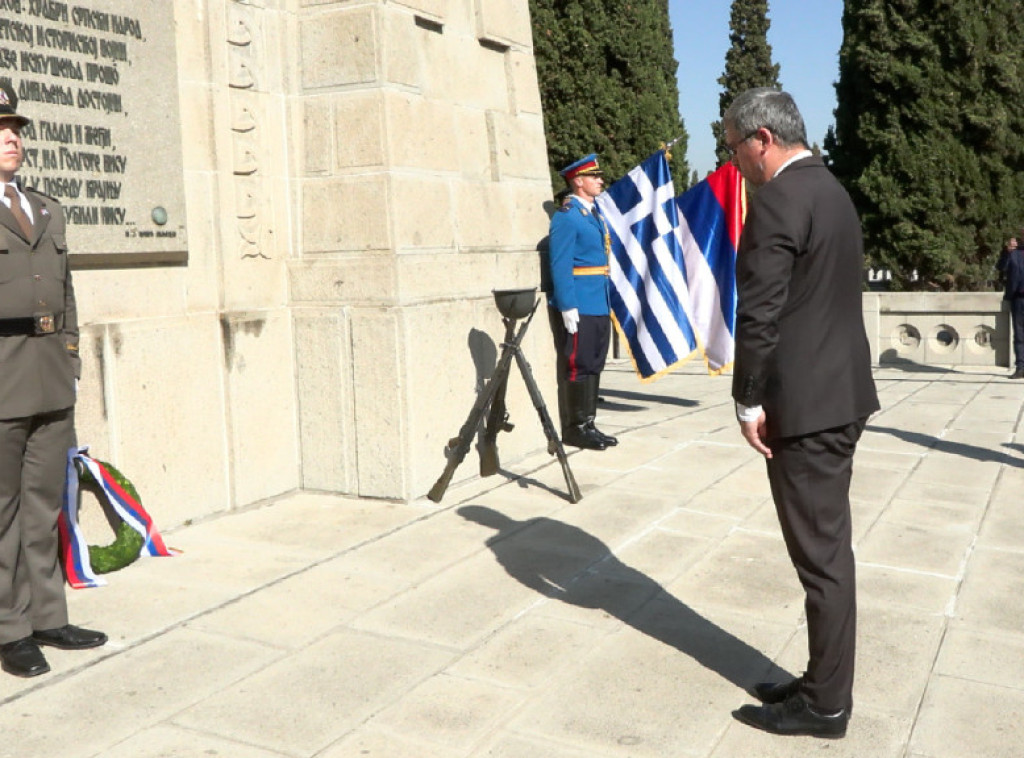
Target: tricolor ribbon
(74,549)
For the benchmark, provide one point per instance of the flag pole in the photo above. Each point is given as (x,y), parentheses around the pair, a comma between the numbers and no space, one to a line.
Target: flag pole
(667,147)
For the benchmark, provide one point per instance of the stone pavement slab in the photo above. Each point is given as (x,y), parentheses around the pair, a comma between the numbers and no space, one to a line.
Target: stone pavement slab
(507,622)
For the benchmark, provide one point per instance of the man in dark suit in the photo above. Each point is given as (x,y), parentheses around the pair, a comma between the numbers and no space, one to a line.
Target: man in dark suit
(1011,269)
(39,356)
(803,388)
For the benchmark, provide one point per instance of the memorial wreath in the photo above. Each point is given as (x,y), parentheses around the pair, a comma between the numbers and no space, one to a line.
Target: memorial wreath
(134,534)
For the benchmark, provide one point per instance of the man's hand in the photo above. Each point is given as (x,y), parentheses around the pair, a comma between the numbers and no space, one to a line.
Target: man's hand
(754,433)
(571,319)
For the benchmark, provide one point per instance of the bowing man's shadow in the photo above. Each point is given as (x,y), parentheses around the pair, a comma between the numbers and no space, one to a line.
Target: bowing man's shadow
(565,563)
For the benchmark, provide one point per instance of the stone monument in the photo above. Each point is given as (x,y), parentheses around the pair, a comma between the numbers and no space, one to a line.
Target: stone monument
(287,218)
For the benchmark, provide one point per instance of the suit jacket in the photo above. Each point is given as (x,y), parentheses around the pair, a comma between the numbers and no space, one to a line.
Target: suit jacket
(577,240)
(801,348)
(38,372)
(1011,266)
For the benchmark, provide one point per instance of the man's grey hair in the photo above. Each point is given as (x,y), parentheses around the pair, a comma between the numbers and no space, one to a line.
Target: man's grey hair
(771,109)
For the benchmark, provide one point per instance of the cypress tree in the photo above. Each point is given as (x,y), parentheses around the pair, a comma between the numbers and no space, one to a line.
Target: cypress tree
(607,80)
(929,135)
(748,61)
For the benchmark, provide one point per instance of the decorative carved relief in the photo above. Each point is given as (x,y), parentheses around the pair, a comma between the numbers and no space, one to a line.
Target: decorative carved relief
(984,340)
(943,339)
(905,338)
(245,67)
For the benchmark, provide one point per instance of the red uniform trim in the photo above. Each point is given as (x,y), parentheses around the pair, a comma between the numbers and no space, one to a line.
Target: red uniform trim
(572,368)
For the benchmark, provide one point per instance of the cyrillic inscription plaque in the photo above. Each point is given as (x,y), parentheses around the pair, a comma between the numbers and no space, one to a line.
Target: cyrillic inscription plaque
(98,78)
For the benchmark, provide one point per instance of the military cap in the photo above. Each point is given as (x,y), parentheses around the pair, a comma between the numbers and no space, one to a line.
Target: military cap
(587,165)
(9,105)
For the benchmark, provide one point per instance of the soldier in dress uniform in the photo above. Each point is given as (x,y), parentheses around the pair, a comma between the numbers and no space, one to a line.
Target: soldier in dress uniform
(39,356)
(579,246)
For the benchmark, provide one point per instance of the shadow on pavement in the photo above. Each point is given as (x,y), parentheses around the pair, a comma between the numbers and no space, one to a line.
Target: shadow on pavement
(889,360)
(646,398)
(565,563)
(524,482)
(953,448)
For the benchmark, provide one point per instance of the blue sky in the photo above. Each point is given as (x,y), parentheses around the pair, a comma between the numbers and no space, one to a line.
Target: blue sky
(805,36)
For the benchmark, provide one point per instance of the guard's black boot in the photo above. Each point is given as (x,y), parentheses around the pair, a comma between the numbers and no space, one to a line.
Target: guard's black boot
(593,383)
(579,432)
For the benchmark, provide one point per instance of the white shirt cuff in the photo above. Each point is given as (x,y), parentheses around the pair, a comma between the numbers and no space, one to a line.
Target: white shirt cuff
(748,413)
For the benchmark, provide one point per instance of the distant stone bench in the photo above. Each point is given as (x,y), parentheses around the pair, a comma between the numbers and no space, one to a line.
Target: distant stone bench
(938,328)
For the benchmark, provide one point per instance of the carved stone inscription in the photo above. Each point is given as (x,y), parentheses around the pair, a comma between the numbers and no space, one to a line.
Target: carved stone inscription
(98,78)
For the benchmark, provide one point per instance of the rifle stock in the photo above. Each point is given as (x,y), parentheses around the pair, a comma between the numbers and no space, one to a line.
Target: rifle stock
(465,439)
(497,418)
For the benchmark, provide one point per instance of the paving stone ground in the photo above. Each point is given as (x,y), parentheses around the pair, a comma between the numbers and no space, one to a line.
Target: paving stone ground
(508,622)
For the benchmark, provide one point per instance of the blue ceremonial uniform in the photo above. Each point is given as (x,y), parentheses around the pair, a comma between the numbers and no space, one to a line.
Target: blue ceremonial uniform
(578,252)
(577,241)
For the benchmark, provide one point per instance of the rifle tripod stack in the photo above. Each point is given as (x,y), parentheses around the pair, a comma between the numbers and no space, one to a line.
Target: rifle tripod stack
(513,306)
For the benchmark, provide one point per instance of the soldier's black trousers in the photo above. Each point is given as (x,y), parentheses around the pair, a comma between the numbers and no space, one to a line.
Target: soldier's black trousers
(586,350)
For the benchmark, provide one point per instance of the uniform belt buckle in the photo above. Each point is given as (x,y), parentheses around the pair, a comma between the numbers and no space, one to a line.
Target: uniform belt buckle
(45,323)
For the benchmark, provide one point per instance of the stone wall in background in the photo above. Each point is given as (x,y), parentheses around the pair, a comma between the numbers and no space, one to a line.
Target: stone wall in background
(353,179)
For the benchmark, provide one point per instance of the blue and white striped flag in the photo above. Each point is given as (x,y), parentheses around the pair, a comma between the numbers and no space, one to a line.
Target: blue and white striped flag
(649,297)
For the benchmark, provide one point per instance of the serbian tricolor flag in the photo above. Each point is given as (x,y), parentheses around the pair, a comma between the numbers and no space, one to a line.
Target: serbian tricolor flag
(711,217)
(74,549)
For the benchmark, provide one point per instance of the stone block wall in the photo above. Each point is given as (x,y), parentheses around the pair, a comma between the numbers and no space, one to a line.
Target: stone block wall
(359,175)
(421,184)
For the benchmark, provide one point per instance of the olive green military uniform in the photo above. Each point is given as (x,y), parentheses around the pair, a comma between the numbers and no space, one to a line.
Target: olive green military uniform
(38,368)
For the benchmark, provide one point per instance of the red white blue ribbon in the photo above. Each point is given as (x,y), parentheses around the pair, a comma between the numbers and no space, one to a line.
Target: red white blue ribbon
(74,549)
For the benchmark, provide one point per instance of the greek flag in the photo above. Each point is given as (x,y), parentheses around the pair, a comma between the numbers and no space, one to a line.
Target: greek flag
(649,297)
(673,265)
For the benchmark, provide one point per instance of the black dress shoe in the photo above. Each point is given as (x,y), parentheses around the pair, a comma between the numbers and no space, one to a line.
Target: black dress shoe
(23,658)
(1018,374)
(580,435)
(69,637)
(792,717)
(776,692)
(608,440)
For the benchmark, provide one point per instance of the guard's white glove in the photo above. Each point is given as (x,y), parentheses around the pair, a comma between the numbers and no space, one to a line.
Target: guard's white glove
(571,319)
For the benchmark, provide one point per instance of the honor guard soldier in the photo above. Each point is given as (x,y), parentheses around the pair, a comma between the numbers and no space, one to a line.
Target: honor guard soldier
(579,249)
(39,355)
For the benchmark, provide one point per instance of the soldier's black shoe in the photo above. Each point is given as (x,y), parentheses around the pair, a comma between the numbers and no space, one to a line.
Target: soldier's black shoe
(608,440)
(23,658)
(1018,374)
(69,637)
(794,716)
(581,435)
(777,692)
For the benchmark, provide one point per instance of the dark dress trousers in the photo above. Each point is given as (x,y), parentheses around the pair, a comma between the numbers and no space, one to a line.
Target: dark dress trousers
(802,353)
(37,395)
(1011,266)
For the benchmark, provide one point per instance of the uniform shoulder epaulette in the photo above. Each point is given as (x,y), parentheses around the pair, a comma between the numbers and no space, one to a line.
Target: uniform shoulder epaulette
(564,208)
(36,191)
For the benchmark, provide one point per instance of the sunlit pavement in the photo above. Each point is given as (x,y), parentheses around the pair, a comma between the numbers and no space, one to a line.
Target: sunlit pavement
(507,621)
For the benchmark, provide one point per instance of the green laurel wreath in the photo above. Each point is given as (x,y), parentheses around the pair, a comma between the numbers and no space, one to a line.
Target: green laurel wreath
(127,544)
